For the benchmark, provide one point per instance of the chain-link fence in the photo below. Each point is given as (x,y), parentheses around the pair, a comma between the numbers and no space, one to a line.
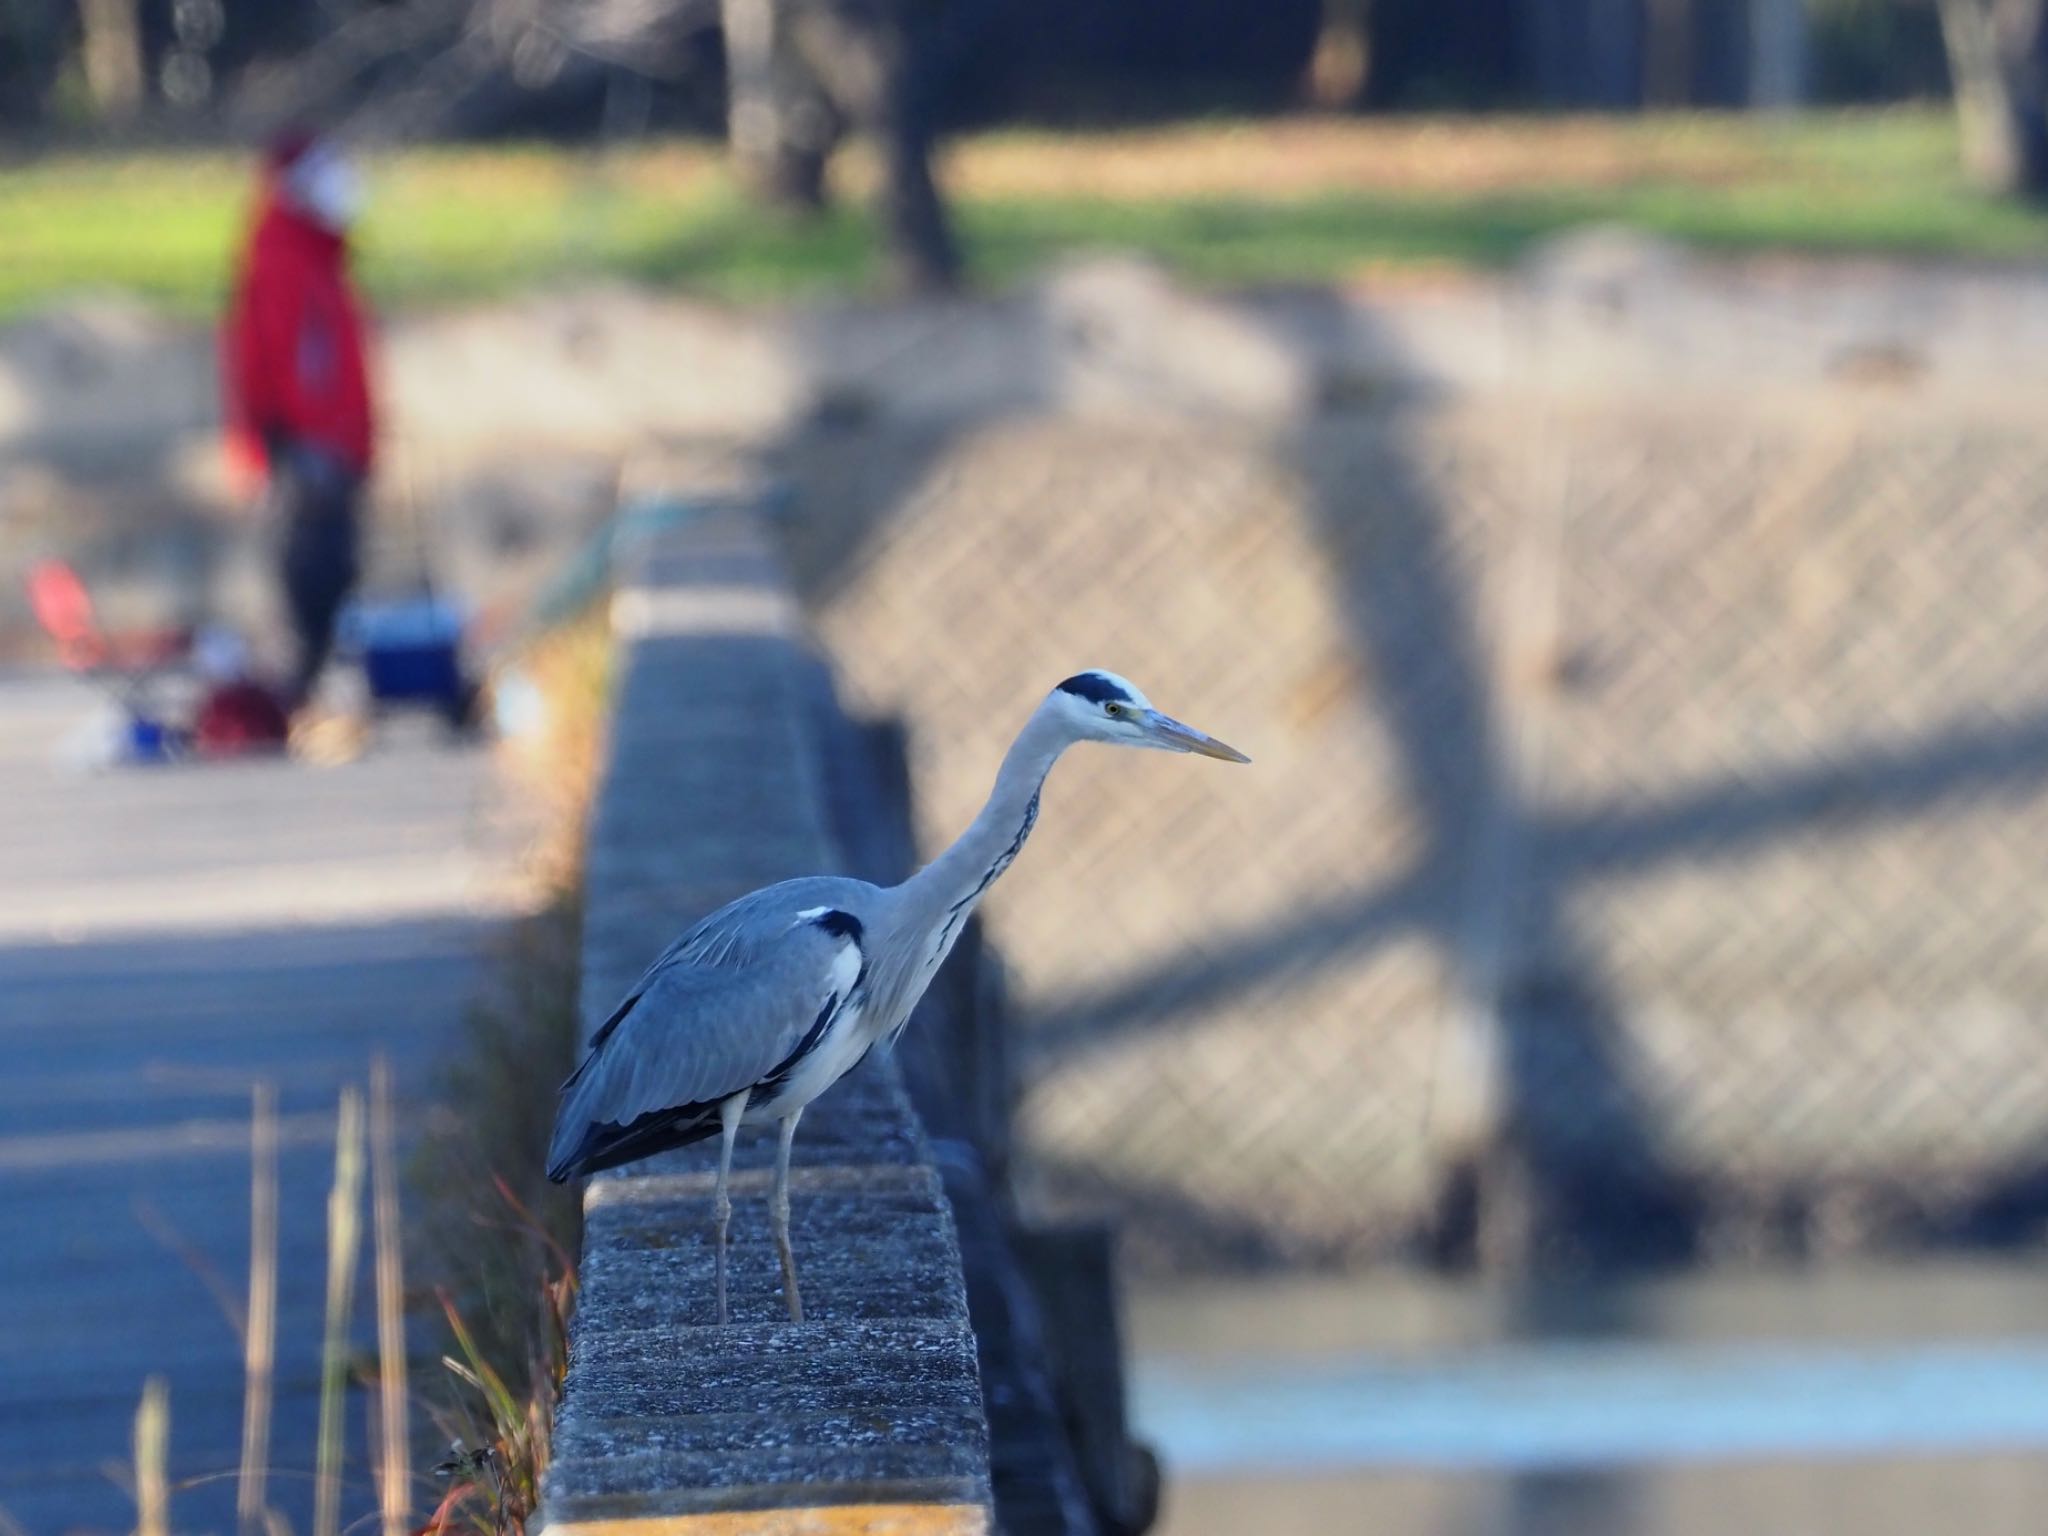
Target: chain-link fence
(1643,852)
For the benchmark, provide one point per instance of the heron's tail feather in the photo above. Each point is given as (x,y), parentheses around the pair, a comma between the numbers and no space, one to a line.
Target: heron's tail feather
(581,1147)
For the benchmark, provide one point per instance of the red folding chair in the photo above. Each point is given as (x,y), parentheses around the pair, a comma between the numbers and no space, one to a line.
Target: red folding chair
(127,663)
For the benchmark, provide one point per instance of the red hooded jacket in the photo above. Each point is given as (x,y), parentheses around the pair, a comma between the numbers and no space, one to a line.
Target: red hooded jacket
(293,360)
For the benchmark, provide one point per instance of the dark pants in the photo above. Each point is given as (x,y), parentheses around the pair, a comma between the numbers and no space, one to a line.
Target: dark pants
(316,496)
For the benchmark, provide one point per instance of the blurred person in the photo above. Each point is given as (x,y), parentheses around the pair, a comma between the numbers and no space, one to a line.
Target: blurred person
(295,378)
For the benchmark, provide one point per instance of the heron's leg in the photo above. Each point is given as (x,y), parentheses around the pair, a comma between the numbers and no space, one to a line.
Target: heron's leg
(721,1208)
(778,1213)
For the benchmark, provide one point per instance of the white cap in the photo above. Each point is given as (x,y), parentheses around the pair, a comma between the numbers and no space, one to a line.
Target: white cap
(324,185)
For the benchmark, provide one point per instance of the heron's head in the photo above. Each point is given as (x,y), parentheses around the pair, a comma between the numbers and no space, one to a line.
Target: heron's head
(1100,706)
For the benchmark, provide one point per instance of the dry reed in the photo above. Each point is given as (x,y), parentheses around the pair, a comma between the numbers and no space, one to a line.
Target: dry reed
(344,1239)
(259,1333)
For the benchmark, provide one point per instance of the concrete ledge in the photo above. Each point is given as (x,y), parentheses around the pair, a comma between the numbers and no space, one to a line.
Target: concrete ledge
(868,1417)
(824,1520)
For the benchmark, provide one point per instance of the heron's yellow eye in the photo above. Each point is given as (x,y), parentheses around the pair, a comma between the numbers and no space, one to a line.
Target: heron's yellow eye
(1114,709)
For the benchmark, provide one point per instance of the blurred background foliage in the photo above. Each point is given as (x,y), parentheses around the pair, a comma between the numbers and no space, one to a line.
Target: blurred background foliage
(1055,62)
(832,184)
(1219,202)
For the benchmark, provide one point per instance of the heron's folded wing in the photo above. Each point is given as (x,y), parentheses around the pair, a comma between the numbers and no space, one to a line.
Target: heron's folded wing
(697,1034)
(735,939)
(740,932)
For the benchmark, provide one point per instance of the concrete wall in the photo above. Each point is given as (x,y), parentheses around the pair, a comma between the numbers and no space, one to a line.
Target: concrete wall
(868,1416)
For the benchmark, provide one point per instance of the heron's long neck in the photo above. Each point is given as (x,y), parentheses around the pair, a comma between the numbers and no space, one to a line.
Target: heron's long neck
(940,896)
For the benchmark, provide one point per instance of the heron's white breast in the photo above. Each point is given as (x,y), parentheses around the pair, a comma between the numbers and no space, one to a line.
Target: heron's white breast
(838,1049)
(837,1052)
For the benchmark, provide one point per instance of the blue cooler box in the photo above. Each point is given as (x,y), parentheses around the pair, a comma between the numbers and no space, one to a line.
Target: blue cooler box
(411,649)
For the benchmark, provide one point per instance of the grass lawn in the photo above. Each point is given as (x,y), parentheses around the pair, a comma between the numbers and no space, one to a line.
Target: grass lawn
(1225,203)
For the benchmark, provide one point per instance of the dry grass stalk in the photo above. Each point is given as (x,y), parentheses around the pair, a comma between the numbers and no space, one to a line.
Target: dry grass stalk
(344,1240)
(394,1465)
(504,1432)
(152,1443)
(259,1336)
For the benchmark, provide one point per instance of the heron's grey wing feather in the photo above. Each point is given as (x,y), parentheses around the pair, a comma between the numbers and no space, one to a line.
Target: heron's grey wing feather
(697,1035)
(737,934)
(698,1030)
(737,931)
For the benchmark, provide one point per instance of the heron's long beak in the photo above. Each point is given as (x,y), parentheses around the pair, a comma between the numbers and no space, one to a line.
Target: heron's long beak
(1167,732)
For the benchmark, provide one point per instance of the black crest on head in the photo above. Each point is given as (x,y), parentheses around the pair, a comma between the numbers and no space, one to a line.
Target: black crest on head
(1093,687)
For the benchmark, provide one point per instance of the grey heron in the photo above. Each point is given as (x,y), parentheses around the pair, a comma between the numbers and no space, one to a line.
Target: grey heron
(769,1001)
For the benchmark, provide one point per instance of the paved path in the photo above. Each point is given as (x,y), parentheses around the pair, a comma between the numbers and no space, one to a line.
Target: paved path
(168,936)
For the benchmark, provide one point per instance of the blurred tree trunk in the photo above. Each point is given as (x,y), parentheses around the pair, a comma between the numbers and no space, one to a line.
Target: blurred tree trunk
(1614,53)
(1667,53)
(781,132)
(801,73)
(1585,53)
(1998,59)
(1341,64)
(34,45)
(111,45)
(923,257)
(1777,53)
